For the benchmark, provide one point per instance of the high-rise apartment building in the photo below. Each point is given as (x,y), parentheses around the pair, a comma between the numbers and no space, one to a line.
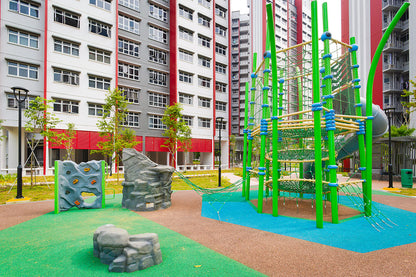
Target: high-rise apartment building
(367,21)
(159,52)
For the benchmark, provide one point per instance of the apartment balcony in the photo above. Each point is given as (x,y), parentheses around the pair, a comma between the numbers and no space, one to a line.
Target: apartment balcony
(235,60)
(392,68)
(235,68)
(391,5)
(235,86)
(235,50)
(235,24)
(235,33)
(235,76)
(405,67)
(393,46)
(405,25)
(392,87)
(405,48)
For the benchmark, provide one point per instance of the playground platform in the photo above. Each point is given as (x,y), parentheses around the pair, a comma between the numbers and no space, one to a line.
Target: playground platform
(36,242)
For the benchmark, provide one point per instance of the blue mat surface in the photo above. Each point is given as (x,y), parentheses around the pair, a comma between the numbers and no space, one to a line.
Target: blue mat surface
(355,235)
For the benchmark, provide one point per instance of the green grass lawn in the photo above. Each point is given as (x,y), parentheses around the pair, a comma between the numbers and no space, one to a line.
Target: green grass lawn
(205,179)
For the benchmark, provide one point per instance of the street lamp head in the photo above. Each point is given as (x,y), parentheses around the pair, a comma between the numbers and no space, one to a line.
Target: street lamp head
(220,118)
(17,93)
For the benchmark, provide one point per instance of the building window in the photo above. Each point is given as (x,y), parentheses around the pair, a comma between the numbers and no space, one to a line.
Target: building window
(99,55)
(131,94)
(219,30)
(99,82)
(24,38)
(204,61)
(128,47)
(220,106)
(220,11)
(185,12)
(12,102)
(204,102)
(203,20)
(220,49)
(23,70)
(157,78)
(186,34)
(205,3)
(158,34)
(132,119)
(186,56)
(220,87)
(128,24)
(66,47)
(24,7)
(158,12)
(204,82)
(99,28)
(65,76)
(188,120)
(67,18)
(158,56)
(128,71)
(220,125)
(158,100)
(132,4)
(65,106)
(185,77)
(204,122)
(204,41)
(220,68)
(155,122)
(103,4)
(186,98)
(95,109)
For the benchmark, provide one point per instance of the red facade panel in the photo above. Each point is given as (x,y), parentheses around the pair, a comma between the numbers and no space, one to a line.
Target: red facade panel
(376,34)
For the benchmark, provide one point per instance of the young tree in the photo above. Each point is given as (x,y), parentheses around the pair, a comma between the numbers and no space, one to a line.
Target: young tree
(411,105)
(232,146)
(67,139)
(40,121)
(114,136)
(1,128)
(177,131)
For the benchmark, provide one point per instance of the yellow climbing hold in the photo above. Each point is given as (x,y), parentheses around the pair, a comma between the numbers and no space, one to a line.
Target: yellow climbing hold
(75,181)
(86,169)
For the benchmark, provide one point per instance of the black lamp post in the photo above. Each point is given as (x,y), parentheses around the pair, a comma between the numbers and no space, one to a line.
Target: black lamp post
(17,91)
(219,120)
(389,112)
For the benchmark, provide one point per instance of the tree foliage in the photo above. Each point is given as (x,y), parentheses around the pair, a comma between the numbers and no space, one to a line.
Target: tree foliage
(232,146)
(177,133)
(115,137)
(411,105)
(67,139)
(402,131)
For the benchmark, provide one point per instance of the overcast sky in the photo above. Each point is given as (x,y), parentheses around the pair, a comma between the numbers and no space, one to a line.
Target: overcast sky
(334,11)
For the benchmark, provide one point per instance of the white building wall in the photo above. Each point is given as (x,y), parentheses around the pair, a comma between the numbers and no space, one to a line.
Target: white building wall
(412,56)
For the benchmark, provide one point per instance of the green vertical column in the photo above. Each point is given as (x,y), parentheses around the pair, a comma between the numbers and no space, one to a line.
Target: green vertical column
(275,104)
(316,109)
(245,173)
(300,108)
(103,184)
(358,110)
(329,115)
(56,164)
(251,122)
(369,107)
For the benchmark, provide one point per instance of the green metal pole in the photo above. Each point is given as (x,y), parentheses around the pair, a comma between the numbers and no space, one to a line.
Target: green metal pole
(251,122)
(56,186)
(369,102)
(103,183)
(317,107)
(275,103)
(300,108)
(358,110)
(330,117)
(245,141)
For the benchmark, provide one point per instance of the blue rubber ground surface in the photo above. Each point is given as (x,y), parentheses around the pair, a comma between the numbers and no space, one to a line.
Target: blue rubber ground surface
(355,235)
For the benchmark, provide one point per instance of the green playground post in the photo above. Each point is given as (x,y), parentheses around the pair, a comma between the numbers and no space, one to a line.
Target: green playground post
(358,110)
(369,108)
(103,183)
(330,116)
(245,141)
(316,108)
(56,188)
(300,108)
(251,123)
(275,134)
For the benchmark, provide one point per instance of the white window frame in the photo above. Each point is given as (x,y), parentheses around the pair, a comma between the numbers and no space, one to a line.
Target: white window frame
(128,24)
(204,41)
(24,7)
(66,47)
(158,78)
(220,87)
(158,56)
(128,47)
(205,3)
(220,49)
(132,119)
(158,99)
(97,27)
(158,34)
(95,109)
(158,12)
(66,17)
(187,99)
(204,102)
(12,102)
(132,95)
(99,55)
(66,106)
(204,122)
(103,4)
(186,34)
(132,4)
(186,13)
(66,76)
(204,82)
(189,120)
(186,56)
(220,106)
(155,122)
(204,61)
(220,30)
(220,68)
(186,77)
(204,21)
(220,11)
(98,82)
(23,70)
(23,38)
(129,71)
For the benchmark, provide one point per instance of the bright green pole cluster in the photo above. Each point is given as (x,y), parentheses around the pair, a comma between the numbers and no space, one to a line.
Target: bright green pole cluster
(56,187)
(245,173)
(103,184)
(368,108)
